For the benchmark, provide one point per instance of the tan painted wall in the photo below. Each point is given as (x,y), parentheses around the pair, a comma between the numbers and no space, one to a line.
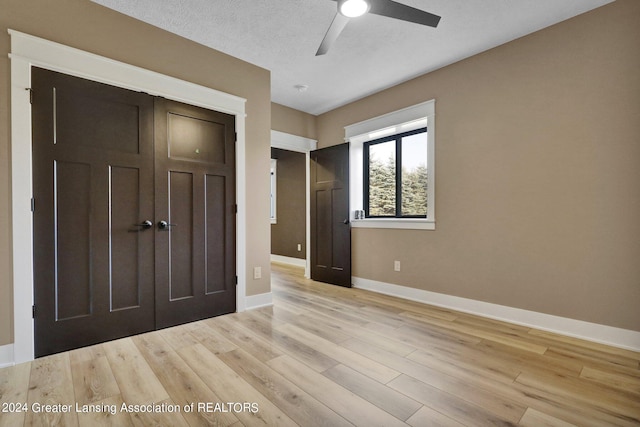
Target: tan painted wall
(90,27)
(537,174)
(288,120)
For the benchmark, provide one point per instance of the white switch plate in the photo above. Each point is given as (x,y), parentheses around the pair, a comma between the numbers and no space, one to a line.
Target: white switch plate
(257,272)
(299,247)
(396,265)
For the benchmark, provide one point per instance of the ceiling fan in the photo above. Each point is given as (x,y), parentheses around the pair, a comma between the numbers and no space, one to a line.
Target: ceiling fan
(348,9)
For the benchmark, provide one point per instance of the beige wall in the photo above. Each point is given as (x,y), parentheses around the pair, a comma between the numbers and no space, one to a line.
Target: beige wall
(294,122)
(90,27)
(537,174)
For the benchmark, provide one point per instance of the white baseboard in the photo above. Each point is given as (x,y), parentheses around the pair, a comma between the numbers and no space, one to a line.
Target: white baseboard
(260,300)
(617,337)
(6,356)
(298,262)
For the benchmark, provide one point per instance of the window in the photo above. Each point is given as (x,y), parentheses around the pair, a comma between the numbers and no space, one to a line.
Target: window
(392,169)
(395,176)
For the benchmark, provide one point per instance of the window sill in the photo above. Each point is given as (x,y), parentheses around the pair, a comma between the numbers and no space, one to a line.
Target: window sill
(407,224)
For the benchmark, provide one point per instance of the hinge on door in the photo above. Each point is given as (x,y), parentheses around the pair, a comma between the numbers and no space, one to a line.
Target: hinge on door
(33,311)
(236,280)
(235,208)
(33,204)
(30,94)
(235,136)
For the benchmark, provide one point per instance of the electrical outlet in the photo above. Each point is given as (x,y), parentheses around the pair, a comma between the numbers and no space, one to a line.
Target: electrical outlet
(257,272)
(299,247)
(396,265)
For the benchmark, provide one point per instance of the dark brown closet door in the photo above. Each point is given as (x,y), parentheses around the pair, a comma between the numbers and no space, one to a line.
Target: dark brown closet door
(195,213)
(115,252)
(93,191)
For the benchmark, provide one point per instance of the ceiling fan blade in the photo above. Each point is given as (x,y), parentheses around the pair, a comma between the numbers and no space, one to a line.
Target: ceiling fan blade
(403,12)
(336,27)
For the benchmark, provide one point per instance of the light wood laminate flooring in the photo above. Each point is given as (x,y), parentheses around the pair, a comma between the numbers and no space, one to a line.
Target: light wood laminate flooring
(330,356)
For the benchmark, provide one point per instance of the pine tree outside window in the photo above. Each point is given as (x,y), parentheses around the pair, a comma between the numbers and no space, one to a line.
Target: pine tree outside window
(395,181)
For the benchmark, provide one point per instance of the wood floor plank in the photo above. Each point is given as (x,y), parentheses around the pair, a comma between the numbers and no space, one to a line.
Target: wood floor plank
(304,322)
(469,386)
(245,338)
(93,380)
(293,400)
(183,385)
(105,413)
(213,340)
(481,333)
(520,359)
(397,404)
(159,419)
(493,325)
(86,353)
(590,357)
(405,305)
(356,331)
(136,380)
(420,337)
(622,381)
(533,418)
(285,344)
(429,417)
(562,407)
(14,387)
(364,365)
(624,405)
(51,392)
(319,308)
(605,351)
(230,387)
(179,336)
(485,369)
(344,402)
(440,401)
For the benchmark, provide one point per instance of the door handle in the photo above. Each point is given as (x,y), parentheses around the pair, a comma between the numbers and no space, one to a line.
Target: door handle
(164,225)
(346,221)
(144,225)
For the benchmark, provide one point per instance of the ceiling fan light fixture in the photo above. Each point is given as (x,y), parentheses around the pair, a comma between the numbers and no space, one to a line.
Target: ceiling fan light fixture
(353,8)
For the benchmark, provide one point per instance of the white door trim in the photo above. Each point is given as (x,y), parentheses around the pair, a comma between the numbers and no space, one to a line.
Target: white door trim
(27,51)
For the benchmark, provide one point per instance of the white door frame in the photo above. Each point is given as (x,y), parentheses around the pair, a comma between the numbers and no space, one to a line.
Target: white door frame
(28,51)
(299,144)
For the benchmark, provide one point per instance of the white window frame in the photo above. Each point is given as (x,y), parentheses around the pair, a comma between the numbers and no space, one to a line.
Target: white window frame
(407,119)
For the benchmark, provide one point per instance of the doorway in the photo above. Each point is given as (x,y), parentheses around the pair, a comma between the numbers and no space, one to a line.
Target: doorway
(297,144)
(134,212)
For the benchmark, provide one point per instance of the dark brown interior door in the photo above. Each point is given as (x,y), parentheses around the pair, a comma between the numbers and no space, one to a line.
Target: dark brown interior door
(134,212)
(330,228)
(93,188)
(195,213)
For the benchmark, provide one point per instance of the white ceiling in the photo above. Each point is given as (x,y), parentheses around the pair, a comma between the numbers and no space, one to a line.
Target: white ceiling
(371,54)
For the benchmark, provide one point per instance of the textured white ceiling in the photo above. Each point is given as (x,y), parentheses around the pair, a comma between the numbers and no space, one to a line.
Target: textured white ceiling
(371,54)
